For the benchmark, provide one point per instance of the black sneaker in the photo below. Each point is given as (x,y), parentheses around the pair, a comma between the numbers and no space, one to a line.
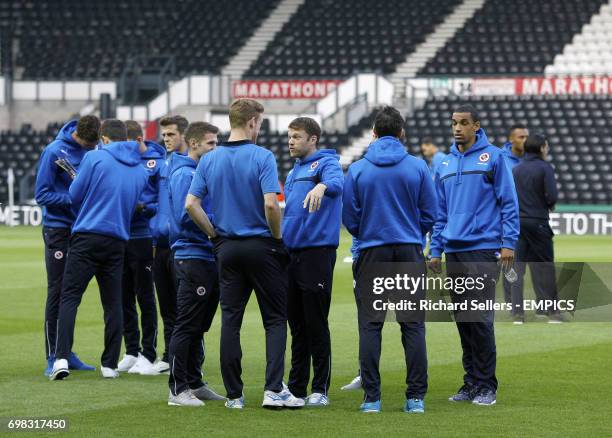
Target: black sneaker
(465,393)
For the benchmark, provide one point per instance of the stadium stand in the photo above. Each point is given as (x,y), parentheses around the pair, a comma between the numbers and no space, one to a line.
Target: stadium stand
(590,51)
(330,39)
(512,37)
(97,38)
(333,39)
(20,150)
(580,141)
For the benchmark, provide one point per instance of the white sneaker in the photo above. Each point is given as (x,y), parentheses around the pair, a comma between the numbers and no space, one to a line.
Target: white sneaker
(290,401)
(142,366)
(161,367)
(316,399)
(235,403)
(126,363)
(283,399)
(148,368)
(354,385)
(109,373)
(60,370)
(185,398)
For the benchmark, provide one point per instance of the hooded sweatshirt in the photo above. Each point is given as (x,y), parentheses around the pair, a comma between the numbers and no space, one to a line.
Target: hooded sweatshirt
(302,229)
(512,159)
(107,188)
(160,223)
(477,199)
(187,240)
(389,196)
(52,181)
(153,160)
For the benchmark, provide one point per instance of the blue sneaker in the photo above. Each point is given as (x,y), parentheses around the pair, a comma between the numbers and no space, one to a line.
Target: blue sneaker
(370,407)
(414,406)
(74,363)
(49,368)
(485,397)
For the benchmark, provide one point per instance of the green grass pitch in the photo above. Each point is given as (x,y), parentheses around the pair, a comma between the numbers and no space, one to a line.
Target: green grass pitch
(555,380)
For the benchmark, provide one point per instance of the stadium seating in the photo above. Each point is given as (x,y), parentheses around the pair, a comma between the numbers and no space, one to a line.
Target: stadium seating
(97,38)
(512,37)
(330,39)
(579,130)
(590,51)
(20,150)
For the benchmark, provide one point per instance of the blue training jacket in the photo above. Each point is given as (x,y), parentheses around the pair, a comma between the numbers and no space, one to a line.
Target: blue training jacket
(186,239)
(153,161)
(478,204)
(512,159)
(302,229)
(52,182)
(389,196)
(160,223)
(107,188)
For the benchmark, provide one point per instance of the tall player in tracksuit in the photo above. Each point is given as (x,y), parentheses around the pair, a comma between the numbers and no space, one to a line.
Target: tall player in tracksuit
(242,182)
(172,132)
(311,233)
(137,284)
(389,204)
(104,195)
(477,223)
(195,267)
(52,182)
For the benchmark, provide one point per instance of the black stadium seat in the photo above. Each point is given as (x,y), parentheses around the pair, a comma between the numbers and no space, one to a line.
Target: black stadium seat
(343,37)
(512,37)
(97,38)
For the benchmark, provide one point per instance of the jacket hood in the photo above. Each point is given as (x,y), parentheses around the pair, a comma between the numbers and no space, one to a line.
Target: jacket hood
(482,142)
(386,151)
(154,151)
(125,152)
(321,153)
(179,161)
(65,134)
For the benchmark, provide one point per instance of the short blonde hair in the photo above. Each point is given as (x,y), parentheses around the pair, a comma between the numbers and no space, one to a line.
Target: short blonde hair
(243,110)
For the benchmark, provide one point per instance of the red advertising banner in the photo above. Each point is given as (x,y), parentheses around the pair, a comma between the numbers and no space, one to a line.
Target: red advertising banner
(524,86)
(568,85)
(292,89)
